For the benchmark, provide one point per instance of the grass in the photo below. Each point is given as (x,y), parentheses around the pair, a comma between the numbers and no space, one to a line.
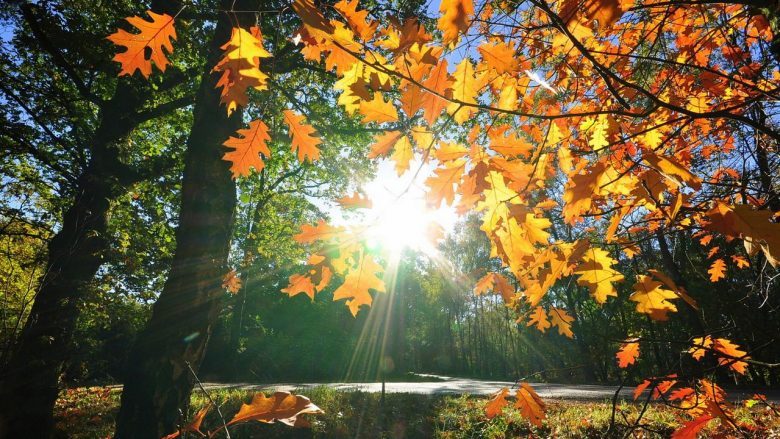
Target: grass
(89,413)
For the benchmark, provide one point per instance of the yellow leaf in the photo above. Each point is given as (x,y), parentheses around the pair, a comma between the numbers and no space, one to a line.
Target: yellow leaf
(378,110)
(597,274)
(651,299)
(539,318)
(560,318)
(357,283)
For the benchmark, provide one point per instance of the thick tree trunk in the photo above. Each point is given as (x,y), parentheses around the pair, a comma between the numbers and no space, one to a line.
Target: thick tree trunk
(29,382)
(159,380)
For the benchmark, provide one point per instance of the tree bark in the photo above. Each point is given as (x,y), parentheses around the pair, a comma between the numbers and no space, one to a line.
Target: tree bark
(159,380)
(29,380)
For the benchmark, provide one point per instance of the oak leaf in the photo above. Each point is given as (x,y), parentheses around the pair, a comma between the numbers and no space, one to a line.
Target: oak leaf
(628,353)
(455,18)
(247,149)
(358,282)
(560,318)
(495,282)
(155,37)
(597,275)
(651,299)
(355,201)
(539,318)
(530,405)
(378,110)
(717,270)
(283,407)
(304,137)
(691,429)
(240,67)
(497,403)
(231,282)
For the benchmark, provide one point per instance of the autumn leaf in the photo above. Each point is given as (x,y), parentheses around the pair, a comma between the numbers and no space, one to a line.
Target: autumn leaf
(355,201)
(155,36)
(597,275)
(628,353)
(440,83)
(378,110)
(231,282)
(299,284)
(194,425)
(691,429)
(560,318)
(755,227)
(733,353)
(443,182)
(456,17)
(717,270)
(319,232)
(283,407)
(499,56)
(357,20)
(247,147)
(495,282)
(539,318)
(384,143)
(304,137)
(358,282)
(465,89)
(497,403)
(651,299)
(240,67)
(530,405)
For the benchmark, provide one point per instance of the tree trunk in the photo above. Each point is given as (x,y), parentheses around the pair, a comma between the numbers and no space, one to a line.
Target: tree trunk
(29,381)
(159,381)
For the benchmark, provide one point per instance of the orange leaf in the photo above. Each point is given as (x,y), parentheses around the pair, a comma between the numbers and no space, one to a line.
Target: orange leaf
(497,403)
(378,110)
(499,56)
(530,405)
(651,299)
(628,353)
(438,81)
(717,270)
(194,425)
(443,183)
(304,138)
(383,143)
(281,406)
(321,232)
(155,36)
(231,282)
(355,201)
(247,149)
(690,429)
(455,18)
(497,283)
(726,347)
(299,284)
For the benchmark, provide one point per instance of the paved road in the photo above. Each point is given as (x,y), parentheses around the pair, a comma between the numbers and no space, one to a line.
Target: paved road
(457,386)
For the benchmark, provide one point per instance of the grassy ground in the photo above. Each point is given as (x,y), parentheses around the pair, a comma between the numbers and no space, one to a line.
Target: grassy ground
(89,413)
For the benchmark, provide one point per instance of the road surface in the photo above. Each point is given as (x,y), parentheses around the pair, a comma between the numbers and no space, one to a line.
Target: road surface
(459,386)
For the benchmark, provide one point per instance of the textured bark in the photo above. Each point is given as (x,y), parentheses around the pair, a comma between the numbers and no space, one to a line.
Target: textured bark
(158,380)
(29,380)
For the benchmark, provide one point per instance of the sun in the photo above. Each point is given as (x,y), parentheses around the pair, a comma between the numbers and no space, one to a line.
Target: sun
(403,223)
(400,218)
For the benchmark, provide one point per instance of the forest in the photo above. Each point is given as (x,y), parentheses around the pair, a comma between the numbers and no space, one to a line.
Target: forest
(579,192)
